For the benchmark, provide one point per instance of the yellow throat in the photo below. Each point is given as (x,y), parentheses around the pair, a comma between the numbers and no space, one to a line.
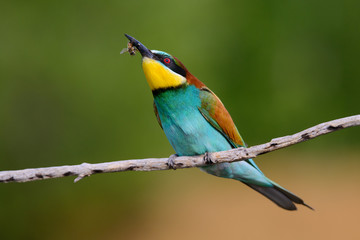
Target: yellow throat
(158,76)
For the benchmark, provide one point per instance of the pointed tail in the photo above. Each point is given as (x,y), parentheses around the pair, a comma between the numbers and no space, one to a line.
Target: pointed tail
(279,196)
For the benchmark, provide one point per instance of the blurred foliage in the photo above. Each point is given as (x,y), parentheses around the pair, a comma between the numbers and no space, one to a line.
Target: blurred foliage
(67,96)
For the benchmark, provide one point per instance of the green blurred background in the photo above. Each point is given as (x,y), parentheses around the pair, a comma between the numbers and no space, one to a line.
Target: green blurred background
(67,97)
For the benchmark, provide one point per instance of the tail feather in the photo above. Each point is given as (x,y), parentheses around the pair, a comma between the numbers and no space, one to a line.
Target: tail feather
(274,195)
(279,196)
(292,196)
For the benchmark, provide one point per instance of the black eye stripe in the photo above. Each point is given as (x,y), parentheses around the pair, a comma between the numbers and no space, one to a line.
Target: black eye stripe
(171,64)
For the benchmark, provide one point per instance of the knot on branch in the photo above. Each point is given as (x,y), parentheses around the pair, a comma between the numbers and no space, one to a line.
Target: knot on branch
(85,170)
(334,128)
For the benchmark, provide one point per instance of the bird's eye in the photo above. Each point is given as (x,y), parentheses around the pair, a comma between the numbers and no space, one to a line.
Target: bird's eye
(167,60)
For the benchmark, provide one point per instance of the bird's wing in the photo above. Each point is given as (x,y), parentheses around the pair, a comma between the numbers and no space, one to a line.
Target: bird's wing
(157,114)
(216,114)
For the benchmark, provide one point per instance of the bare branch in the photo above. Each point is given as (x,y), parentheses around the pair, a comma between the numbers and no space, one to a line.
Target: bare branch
(152,164)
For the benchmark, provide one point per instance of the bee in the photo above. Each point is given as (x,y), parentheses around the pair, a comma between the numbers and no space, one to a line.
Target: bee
(130,49)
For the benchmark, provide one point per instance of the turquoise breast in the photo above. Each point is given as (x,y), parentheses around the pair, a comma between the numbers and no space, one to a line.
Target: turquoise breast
(188,131)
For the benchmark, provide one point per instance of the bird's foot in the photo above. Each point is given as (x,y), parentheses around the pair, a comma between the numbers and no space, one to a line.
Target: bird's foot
(171,162)
(208,159)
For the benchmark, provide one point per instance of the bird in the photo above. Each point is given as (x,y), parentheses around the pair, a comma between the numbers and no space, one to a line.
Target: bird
(196,122)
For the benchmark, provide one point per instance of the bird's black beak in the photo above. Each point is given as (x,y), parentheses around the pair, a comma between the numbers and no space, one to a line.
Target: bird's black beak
(144,51)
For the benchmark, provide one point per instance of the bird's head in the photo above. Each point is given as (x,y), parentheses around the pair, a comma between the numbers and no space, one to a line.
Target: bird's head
(162,70)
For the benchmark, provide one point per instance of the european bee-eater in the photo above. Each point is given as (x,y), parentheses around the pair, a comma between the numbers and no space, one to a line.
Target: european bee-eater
(196,122)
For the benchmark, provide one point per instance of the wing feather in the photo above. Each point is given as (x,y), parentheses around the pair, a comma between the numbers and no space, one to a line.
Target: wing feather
(216,114)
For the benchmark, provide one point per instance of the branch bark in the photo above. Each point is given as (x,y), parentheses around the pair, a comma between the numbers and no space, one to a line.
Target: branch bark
(152,164)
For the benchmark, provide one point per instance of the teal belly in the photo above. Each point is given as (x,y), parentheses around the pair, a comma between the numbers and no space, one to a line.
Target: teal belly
(189,133)
(194,135)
